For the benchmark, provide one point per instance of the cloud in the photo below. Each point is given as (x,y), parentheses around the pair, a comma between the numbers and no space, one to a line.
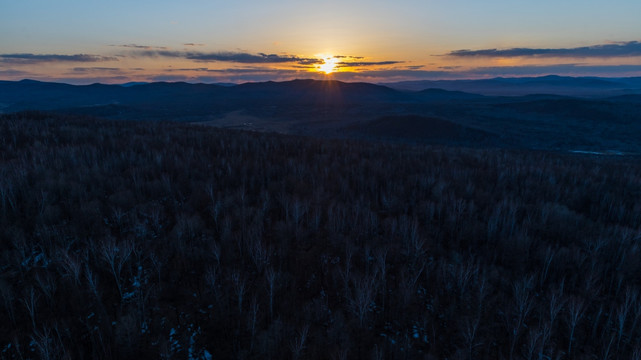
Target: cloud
(193,44)
(234,57)
(40,58)
(119,79)
(619,49)
(260,58)
(392,75)
(563,69)
(145,47)
(348,57)
(234,75)
(247,58)
(367,63)
(94,69)
(12,72)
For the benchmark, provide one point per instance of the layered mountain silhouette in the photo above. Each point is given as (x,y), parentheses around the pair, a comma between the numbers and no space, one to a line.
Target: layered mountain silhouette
(552,84)
(552,112)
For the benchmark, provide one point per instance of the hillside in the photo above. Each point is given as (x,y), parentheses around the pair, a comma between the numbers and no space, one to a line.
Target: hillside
(414,128)
(327,108)
(137,240)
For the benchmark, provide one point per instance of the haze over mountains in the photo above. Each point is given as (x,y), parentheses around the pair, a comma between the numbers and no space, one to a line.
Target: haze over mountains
(554,113)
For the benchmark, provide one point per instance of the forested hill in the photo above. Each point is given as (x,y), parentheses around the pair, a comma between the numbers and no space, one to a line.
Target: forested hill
(140,240)
(334,109)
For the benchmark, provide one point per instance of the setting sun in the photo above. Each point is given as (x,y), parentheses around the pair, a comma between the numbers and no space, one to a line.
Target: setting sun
(329,64)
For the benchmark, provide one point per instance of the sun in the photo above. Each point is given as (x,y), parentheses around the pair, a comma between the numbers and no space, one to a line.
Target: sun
(329,65)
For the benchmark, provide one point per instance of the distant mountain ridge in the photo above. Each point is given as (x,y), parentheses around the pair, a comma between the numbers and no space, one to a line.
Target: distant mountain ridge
(558,113)
(551,84)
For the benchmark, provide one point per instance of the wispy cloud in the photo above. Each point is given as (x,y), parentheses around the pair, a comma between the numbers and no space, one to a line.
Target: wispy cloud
(247,58)
(367,63)
(193,44)
(95,69)
(618,49)
(40,58)
(233,57)
(13,73)
(236,75)
(144,47)
(260,58)
(567,69)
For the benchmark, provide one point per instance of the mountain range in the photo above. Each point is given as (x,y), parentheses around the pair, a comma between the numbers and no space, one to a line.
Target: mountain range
(552,112)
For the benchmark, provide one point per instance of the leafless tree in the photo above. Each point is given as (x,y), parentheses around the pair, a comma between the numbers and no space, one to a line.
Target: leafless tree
(575,311)
(72,267)
(47,285)
(272,277)
(253,319)
(116,256)
(239,283)
(48,346)
(521,308)
(297,344)
(470,333)
(361,298)
(30,301)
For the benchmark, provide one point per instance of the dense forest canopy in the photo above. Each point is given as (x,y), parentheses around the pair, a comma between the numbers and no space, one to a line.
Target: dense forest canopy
(143,240)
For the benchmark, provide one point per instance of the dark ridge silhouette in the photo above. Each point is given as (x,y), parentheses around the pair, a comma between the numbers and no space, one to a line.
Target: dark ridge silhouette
(551,84)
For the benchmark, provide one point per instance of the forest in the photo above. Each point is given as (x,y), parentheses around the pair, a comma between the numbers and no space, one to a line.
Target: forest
(146,240)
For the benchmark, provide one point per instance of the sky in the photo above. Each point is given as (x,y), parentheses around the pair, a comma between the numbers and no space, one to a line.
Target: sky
(212,41)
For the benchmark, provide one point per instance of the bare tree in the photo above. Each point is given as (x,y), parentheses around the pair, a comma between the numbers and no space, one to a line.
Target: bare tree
(92,281)
(271,277)
(297,344)
(362,298)
(48,346)
(30,301)
(470,332)
(72,267)
(575,313)
(532,343)
(623,312)
(521,308)
(252,321)
(239,283)
(116,256)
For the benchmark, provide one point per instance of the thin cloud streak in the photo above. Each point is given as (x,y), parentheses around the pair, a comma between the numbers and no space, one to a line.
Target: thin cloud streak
(40,58)
(234,57)
(95,69)
(259,58)
(367,63)
(619,49)
(144,47)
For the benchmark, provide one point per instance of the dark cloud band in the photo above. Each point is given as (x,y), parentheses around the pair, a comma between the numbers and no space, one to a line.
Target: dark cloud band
(621,49)
(145,47)
(234,57)
(37,58)
(367,63)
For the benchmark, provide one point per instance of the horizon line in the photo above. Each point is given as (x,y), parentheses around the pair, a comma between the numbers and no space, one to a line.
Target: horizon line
(229,83)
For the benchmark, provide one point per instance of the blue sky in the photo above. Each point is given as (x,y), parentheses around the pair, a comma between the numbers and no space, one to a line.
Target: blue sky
(198,40)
